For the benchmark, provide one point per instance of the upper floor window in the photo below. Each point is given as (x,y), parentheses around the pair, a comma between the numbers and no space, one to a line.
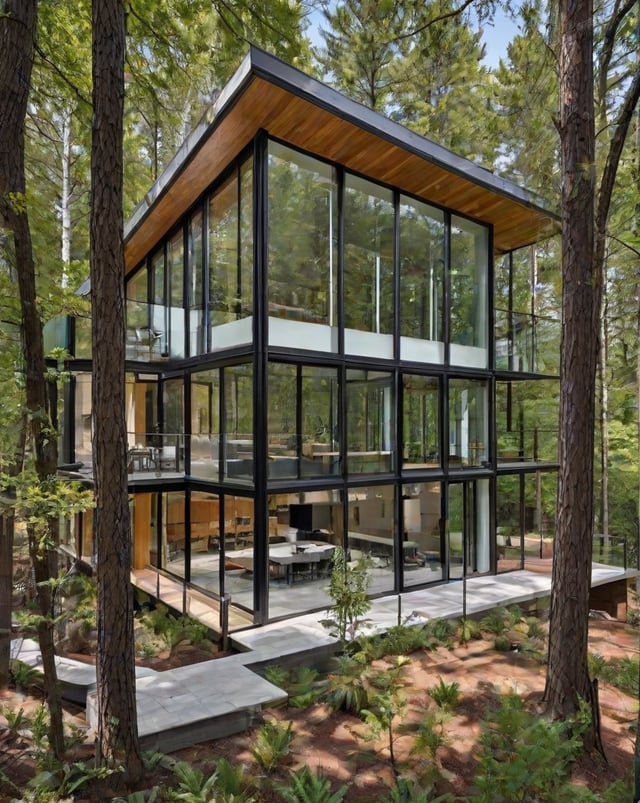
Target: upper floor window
(422,239)
(468,307)
(302,250)
(231,260)
(368,268)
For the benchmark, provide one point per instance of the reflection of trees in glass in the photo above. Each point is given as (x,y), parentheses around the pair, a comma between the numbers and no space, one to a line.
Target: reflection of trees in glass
(205,407)
(369,412)
(468,420)
(527,420)
(508,505)
(231,248)
(173,405)
(137,293)
(368,256)
(421,270)
(320,406)
(281,405)
(302,237)
(238,401)
(468,283)
(420,419)
(195,253)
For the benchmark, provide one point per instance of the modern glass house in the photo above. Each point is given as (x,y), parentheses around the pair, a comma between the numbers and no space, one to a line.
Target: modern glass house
(331,342)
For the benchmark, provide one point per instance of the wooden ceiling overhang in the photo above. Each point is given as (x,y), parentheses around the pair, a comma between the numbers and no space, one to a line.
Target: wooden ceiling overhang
(266,94)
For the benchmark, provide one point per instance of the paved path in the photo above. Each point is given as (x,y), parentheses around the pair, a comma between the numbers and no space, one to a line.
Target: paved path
(203,701)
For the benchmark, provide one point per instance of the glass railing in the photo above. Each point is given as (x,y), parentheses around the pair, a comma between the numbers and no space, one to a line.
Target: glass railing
(610,550)
(527,343)
(158,452)
(527,446)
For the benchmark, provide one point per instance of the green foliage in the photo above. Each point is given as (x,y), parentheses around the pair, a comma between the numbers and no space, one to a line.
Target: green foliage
(16,720)
(445,695)
(407,791)
(619,672)
(502,643)
(466,630)
(225,785)
(498,621)
(67,779)
(438,633)
(271,744)
(430,735)
(348,586)
(524,757)
(301,683)
(23,676)
(306,787)
(174,629)
(398,640)
(349,685)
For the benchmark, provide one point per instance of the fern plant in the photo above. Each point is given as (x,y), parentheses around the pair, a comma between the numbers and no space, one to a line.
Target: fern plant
(306,787)
(272,744)
(445,695)
(348,687)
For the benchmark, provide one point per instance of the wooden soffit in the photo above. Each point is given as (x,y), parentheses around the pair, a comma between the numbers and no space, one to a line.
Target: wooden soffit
(266,94)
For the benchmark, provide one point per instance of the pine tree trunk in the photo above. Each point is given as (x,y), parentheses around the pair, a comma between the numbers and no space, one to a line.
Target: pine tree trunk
(17,39)
(117,717)
(567,673)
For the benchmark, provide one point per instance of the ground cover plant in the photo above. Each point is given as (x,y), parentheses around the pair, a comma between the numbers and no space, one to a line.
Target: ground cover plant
(450,721)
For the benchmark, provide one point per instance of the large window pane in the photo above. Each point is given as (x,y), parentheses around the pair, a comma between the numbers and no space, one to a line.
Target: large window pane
(422,545)
(283,443)
(319,415)
(420,422)
(468,423)
(422,236)
(302,280)
(197,344)
(140,343)
(238,422)
(368,268)
(174,532)
(469,312)
(527,421)
(303,529)
(508,527)
(369,422)
(205,424)
(231,260)
(83,452)
(540,491)
(175,293)
(371,533)
(306,398)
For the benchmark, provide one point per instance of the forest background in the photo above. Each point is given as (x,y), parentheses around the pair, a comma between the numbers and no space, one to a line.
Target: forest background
(421,64)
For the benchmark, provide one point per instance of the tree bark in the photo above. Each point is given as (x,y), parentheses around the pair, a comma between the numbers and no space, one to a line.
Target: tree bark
(17,41)
(117,717)
(567,674)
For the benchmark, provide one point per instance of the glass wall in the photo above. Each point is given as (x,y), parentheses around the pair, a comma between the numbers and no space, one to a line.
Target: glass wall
(368,268)
(302,254)
(371,534)
(237,386)
(231,260)
(540,490)
(422,249)
(205,424)
(420,421)
(527,414)
(174,532)
(508,522)
(195,299)
(302,416)
(468,289)
(423,534)
(468,423)
(140,344)
(370,422)
(469,528)
(82,430)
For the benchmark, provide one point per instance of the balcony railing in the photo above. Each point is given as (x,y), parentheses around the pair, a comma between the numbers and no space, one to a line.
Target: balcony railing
(610,550)
(158,452)
(527,446)
(527,343)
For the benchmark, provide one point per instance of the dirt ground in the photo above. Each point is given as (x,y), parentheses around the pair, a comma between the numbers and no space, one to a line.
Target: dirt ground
(331,742)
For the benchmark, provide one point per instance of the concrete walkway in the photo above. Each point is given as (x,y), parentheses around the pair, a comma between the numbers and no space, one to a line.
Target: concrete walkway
(190,704)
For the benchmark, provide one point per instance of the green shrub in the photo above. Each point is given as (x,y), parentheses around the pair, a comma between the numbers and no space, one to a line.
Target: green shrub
(306,787)
(524,757)
(445,695)
(271,744)
(348,687)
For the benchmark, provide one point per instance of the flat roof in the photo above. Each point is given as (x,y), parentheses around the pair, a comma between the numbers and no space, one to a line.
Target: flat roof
(267,94)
